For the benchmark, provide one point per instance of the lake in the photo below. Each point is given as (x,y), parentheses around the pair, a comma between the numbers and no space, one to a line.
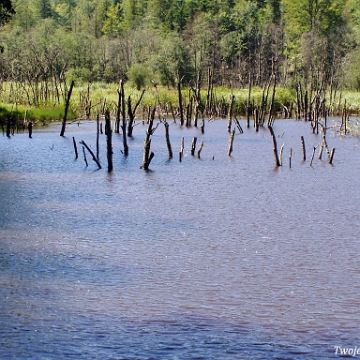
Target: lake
(222,257)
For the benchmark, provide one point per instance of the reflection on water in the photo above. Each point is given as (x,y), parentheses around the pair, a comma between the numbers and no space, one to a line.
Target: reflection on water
(218,257)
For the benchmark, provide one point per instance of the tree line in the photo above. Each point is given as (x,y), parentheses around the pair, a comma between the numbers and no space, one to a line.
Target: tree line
(308,43)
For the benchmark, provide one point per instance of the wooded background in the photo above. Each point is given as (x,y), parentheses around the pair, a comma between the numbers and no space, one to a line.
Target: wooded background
(313,43)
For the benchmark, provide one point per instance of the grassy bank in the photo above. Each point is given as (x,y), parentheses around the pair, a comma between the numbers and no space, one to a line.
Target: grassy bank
(17,106)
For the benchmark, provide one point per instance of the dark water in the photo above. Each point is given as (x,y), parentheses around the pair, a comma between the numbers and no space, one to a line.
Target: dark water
(212,258)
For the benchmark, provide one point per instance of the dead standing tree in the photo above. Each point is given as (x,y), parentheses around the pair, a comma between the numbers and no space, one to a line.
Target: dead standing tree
(168,143)
(108,140)
(197,98)
(276,156)
(67,104)
(180,104)
(131,113)
(147,143)
(123,125)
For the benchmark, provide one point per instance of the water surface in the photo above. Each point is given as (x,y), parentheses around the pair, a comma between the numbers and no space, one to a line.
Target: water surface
(212,258)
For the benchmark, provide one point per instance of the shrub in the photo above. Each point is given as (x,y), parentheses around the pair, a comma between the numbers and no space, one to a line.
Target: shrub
(138,75)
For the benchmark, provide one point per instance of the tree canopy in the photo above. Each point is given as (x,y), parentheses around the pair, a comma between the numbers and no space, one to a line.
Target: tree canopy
(166,41)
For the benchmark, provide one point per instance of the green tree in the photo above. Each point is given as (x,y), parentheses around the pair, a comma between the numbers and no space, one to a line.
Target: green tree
(173,61)
(43,8)
(112,24)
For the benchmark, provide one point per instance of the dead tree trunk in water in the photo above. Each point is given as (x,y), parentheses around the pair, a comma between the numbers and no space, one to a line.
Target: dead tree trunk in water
(200,148)
(75,148)
(108,141)
(181,153)
(180,104)
(8,126)
(248,104)
(231,141)
(189,112)
(193,146)
(276,156)
(331,156)
(123,126)
(131,113)
(147,143)
(230,112)
(272,104)
(97,135)
(168,143)
(344,119)
(86,162)
(91,153)
(209,95)
(30,128)
(303,148)
(118,111)
(197,98)
(67,104)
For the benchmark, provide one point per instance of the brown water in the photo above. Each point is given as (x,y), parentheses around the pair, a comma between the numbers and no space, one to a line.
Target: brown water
(212,258)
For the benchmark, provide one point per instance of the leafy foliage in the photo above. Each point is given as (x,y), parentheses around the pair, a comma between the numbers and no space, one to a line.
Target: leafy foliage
(49,42)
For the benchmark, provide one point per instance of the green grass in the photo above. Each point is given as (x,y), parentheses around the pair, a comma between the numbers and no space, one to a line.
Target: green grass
(99,92)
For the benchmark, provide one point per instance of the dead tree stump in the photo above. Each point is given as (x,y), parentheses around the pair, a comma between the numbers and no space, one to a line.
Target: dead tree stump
(193,145)
(331,156)
(30,128)
(303,148)
(181,153)
(200,148)
(231,141)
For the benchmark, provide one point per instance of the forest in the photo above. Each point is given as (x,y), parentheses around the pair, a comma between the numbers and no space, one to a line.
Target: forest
(311,45)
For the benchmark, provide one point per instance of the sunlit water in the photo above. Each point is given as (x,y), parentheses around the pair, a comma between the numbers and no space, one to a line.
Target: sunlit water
(212,258)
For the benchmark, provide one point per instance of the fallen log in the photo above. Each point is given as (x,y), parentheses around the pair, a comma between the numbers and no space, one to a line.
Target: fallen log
(91,153)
